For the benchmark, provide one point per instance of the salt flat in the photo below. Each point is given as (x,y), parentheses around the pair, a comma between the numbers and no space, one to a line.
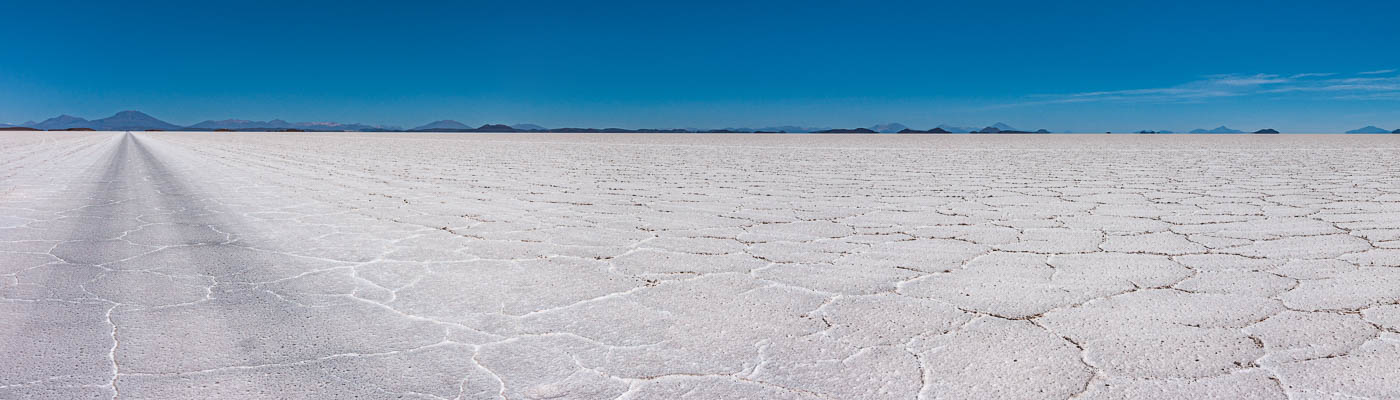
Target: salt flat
(479,266)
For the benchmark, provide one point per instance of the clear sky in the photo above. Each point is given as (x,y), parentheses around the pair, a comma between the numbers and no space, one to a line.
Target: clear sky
(1081,65)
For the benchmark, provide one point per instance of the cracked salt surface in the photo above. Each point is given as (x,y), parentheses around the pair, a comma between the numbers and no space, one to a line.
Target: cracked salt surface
(270,265)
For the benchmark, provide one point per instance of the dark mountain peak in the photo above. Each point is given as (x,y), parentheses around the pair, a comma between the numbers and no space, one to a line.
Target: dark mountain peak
(131,121)
(856,130)
(934,130)
(496,128)
(1266,130)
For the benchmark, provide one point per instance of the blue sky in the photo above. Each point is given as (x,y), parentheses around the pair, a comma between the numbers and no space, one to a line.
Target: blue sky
(1084,65)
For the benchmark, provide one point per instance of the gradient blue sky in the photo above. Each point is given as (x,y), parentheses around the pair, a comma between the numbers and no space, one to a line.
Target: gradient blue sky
(1082,65)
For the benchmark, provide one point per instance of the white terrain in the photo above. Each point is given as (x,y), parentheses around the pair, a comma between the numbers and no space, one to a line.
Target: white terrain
(165,265)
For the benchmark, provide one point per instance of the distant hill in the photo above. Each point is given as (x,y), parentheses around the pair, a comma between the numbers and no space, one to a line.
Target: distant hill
(496,128)
(122,121)
(934,130)
(789,129)
(1368,129)
(1004,128)
(1266,131)
(242,125)
(64,121)
(529,127)
(131,121)
(1395,131)
(280,125)
(616,130)
(955,129)
(338,127)
(1219,129)
(856,130)
(443,125)
(889,128)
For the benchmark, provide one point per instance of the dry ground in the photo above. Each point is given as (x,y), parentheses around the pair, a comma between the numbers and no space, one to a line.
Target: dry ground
(235,265)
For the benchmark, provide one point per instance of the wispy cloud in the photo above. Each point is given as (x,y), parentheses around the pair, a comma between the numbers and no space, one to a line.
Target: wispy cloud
(1246,80)
(1325,84)
(1311,75)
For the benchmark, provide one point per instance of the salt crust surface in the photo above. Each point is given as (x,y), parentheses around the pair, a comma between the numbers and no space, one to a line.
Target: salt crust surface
(255,265)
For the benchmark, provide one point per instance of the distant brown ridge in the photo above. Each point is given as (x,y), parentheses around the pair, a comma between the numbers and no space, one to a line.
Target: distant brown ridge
(74,129)
(17,128)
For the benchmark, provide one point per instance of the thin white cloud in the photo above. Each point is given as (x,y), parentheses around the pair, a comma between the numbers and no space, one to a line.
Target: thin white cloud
(1246,80)
(1311,75)
(1378,72)
(1235,85)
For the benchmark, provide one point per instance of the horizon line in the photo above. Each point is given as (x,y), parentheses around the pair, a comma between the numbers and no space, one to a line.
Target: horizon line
(60,123)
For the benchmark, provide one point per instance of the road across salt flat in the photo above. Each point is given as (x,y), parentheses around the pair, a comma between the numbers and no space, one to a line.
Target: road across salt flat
(269,265)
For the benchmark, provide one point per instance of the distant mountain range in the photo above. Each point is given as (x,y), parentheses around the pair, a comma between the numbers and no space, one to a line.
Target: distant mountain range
(934,130)
(529,127)
(136,120)
(445,124)
(277,124)
(122,121)
(889,128)
(955,129)
(241,124)
(1371,129)
(789,129)
(1220,129)
(139,121)
(840,130)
